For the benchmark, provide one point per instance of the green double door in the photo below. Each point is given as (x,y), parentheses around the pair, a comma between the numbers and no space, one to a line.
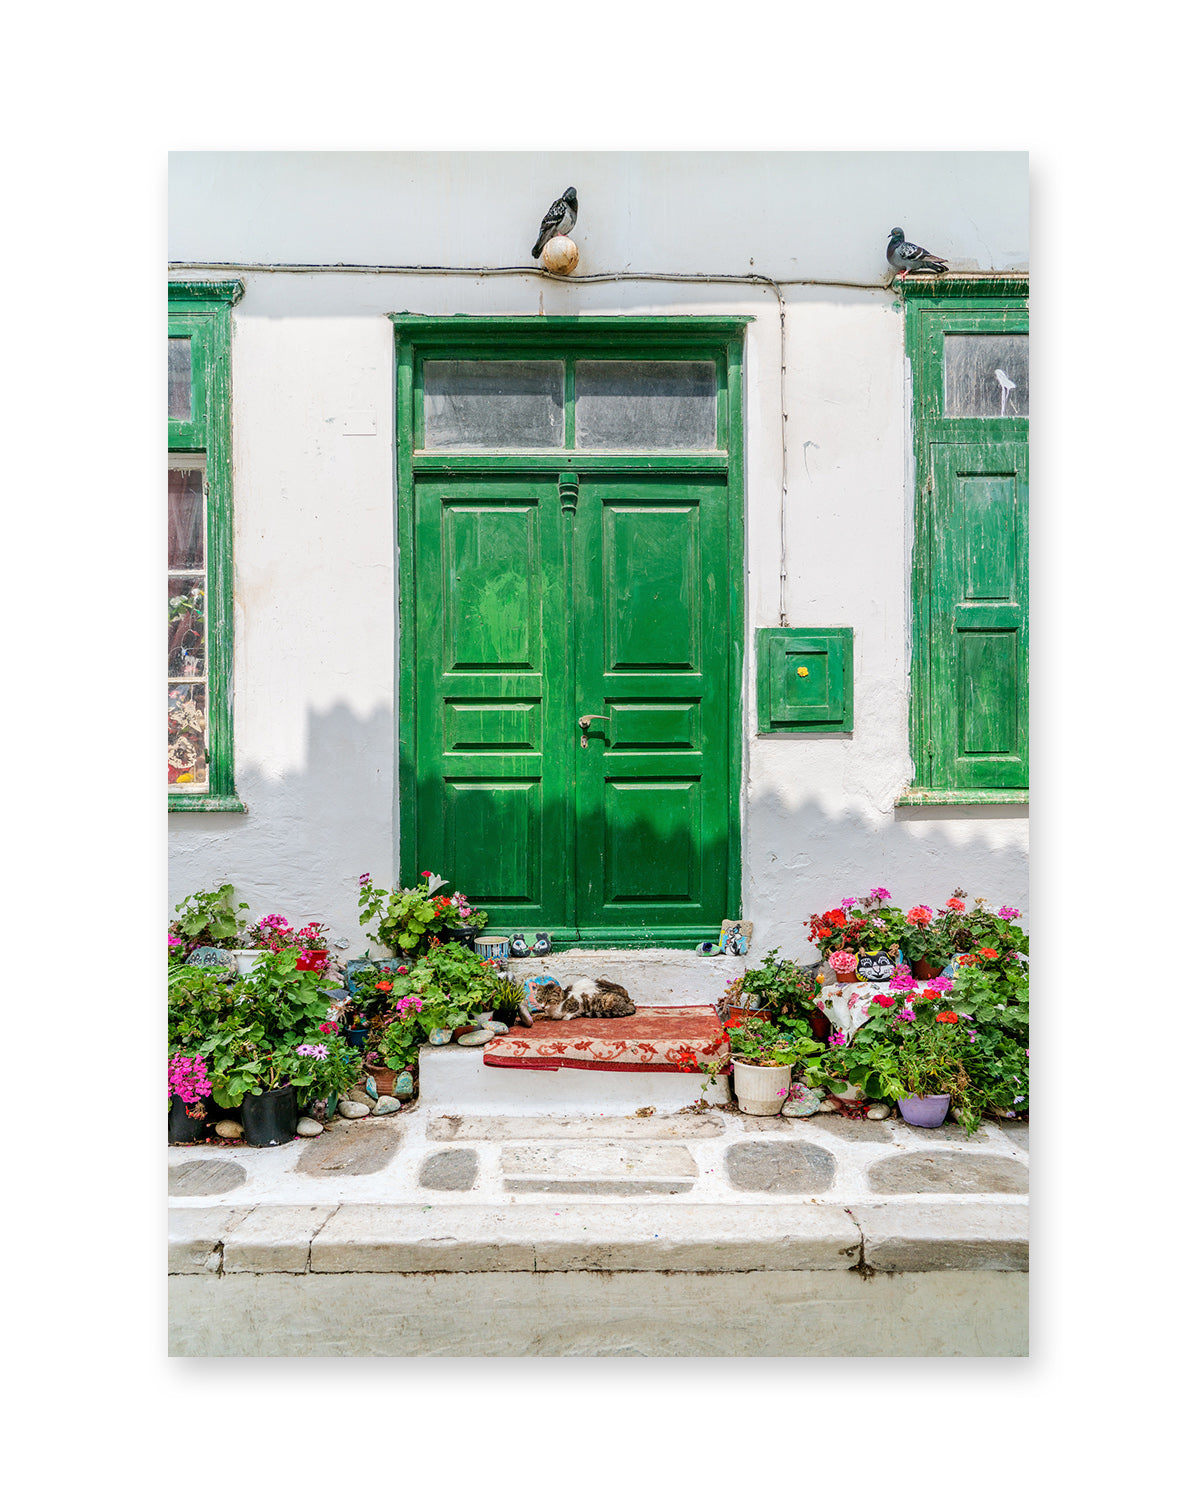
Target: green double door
(549,599)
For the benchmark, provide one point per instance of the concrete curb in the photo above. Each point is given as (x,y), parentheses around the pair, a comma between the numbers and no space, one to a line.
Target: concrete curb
(406,1239)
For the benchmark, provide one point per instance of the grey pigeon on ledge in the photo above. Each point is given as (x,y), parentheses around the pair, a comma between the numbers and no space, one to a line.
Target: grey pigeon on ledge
(560,219)
(904,256)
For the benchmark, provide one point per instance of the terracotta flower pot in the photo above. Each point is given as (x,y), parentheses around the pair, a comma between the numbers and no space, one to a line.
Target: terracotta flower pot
(741,1013)
(923,969)
(385,1079)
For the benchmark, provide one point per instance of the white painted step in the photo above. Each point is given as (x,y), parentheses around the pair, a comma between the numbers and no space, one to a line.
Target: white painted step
(456,1081)
(653,976)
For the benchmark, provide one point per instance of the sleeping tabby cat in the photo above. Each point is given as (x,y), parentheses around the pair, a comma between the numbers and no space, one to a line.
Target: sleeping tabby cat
(589,999)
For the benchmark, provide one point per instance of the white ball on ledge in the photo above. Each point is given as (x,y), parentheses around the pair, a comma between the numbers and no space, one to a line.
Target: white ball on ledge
(560,255)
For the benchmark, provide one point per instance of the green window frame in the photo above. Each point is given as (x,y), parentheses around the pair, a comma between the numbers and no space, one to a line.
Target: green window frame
(202,313)
(970,596)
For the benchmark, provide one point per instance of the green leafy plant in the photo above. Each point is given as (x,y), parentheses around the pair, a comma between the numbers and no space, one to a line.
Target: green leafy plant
(198,1000)
(767,1045)
(209,919)
(505,999)
(407,918)
(338,1071)
(461,978)
(780,985)
(400,1034)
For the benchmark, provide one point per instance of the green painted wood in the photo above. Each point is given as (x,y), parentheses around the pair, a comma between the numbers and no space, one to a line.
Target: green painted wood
(652,803)
(436,816)
(492,717)
(979,608)
(805,680)
(203,312)
(969,672)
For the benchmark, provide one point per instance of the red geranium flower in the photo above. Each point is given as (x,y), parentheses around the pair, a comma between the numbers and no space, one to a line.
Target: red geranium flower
(954,904)
(835,918)
(824,932)
(988,953)
(930,995)
(948,1015)
(885,1000)
(385,985)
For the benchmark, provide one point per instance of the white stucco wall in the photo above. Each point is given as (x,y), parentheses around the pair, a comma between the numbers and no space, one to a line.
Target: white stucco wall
(315,620)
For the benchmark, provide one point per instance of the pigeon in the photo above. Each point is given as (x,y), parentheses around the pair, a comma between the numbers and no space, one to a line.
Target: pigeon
(560,219)
(904,256)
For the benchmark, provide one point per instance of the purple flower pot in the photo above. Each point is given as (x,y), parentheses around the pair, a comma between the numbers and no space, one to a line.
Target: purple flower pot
(927,1110)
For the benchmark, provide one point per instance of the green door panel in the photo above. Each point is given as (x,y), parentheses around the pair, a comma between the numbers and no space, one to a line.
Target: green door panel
(652,634)
(490,717)
(979,610)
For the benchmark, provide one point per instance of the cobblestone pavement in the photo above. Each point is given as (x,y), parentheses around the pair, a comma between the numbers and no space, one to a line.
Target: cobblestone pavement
(715,1157)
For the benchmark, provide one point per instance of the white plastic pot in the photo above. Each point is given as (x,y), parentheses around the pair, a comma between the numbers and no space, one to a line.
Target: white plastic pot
(246,958)
(760,1091)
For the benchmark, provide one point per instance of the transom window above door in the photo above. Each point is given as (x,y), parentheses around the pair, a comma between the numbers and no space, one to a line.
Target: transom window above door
(550,405)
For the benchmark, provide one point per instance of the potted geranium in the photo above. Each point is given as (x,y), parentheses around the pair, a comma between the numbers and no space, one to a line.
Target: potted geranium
(313,942)
(397,1044)
(407,918)
(928,946)
(187,1088)
(465,922)
(763,1056)
(863,926)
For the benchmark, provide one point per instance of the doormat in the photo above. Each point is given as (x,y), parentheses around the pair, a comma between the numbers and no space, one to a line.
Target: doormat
(658,1039)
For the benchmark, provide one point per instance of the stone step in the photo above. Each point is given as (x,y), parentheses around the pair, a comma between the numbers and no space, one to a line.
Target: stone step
(653,976)
(456,1081)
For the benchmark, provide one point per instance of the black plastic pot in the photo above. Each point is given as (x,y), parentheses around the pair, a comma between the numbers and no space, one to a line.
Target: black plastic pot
(270,1119)
(463,935)
(182,1129)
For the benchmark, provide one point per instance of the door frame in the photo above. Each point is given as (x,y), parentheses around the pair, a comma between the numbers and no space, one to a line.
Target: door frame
(419,337)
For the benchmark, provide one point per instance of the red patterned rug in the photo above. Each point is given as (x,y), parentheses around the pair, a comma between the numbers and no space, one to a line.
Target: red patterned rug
(658,1039)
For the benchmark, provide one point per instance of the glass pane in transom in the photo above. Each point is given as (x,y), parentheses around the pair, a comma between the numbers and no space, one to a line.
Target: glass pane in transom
(645,403)
(494,403)
(987,375)
(179,380)
(187,737)
(185,518)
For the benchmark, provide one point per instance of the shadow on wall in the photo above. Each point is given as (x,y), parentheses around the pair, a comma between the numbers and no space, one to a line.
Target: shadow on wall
(309,834)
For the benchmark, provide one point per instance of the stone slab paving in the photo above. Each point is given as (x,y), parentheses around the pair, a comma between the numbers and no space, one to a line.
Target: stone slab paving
(715,1189)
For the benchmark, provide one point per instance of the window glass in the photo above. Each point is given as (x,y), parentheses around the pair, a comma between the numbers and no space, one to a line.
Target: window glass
(187,629)
(185,518)
(187,737)
(497,403)
(179,380)
(987,374)
(626,403)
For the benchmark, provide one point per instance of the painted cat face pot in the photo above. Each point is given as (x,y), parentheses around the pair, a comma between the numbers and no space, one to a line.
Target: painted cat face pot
(875,966)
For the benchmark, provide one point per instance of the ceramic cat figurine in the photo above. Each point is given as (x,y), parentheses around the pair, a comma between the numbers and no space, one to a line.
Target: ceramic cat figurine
(587,999)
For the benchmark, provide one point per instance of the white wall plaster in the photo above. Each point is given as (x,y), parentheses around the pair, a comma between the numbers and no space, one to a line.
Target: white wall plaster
(315,615)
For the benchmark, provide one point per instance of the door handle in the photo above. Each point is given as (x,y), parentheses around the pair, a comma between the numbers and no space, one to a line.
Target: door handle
(585,724)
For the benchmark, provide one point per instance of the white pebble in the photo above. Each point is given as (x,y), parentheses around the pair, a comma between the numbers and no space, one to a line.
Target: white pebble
(307,1126)
(350,1110)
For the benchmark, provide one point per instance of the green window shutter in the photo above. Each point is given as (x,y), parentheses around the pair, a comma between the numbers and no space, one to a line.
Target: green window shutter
(967,343)
(978,637)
